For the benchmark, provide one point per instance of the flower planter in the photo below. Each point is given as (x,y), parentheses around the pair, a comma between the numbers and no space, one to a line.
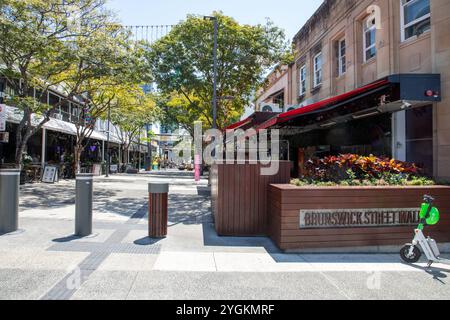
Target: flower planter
(342,217)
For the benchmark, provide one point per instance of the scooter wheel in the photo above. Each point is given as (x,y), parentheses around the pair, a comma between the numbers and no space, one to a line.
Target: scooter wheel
(410,258)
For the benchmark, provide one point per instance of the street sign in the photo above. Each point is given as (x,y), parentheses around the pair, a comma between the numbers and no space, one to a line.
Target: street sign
(50,174)
(2,117)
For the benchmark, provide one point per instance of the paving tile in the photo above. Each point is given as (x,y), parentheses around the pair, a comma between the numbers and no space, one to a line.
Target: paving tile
(128,262)
(27,284)
(110,285)
(185,261)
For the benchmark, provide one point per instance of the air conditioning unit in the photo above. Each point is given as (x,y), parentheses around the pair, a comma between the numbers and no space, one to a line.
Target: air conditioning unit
(270,107)
(58,116)
(290,108)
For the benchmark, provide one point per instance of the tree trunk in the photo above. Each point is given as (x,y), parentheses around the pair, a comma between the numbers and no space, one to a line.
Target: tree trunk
(77,157)
(20,149)
(125,154)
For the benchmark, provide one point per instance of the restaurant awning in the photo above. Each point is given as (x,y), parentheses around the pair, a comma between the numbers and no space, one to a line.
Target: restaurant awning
(390,94)
(252,121)
(14,115)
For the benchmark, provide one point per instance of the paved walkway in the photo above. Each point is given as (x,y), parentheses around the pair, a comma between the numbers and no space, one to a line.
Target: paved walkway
(45,261)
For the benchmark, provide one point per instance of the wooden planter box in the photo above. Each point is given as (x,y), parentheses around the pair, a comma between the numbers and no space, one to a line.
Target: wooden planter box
(334,217)
(239,197)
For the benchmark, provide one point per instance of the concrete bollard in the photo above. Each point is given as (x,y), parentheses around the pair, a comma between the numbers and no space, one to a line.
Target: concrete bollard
(158,210)
(9,200)
(83,204)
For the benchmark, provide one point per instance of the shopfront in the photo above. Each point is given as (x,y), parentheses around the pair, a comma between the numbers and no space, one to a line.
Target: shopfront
(365,121)
(54,145)
(362,122)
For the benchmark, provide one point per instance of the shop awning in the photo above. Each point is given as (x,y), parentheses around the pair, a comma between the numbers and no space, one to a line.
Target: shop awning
(239,124)
(390,94)
(252,121)
(14,115)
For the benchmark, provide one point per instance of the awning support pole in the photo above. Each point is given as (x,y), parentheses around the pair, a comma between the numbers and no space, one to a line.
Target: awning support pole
(103,151)
(43,148)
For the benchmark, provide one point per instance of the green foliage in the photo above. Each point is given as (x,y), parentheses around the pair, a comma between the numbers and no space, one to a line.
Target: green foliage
(352,166)
(182,65)
(133,109)
(73,46)
(355,170)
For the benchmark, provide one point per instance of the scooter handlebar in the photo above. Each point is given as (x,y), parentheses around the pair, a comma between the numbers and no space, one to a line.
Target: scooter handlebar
(428,199)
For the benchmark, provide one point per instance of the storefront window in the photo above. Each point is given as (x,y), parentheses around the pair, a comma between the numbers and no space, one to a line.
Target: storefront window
(419,137)
(415,17)
(370,49)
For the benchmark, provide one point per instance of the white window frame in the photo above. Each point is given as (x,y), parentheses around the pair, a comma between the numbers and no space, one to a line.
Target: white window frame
(374,45)
(317,70)
(302,80)
(342,57)
(404,4)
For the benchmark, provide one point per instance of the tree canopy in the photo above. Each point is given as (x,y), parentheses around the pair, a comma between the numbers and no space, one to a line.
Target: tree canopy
(182,66)
(75,47)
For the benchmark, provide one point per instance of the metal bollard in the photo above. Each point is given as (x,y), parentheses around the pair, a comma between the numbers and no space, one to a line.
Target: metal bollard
(9,200)
(157,210)
(83,205)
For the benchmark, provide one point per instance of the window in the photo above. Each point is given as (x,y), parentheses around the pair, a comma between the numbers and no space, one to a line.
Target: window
(302,88)
(369,40)
(342,65)
(317,69)
(415,16)
(279,99)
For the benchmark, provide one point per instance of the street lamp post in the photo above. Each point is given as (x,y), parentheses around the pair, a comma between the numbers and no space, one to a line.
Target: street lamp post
(108,156)
(148,161)
(214,102)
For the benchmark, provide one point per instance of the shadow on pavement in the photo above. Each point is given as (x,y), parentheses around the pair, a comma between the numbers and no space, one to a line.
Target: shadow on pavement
(147,241)
(210,238)
(67,239)
(435,272)
(126,207)
(49,196)
(189,209)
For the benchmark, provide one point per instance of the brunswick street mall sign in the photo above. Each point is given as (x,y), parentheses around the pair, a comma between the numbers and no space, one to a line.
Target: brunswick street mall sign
(358,218)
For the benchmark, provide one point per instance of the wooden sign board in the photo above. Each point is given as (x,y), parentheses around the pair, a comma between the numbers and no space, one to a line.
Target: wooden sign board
(50,174)
(114,168)
(358,218)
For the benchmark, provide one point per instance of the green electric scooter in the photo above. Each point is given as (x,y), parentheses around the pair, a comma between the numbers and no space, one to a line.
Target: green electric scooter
(411,253)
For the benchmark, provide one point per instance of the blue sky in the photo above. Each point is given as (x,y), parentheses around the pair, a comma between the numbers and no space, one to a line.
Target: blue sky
(287,14)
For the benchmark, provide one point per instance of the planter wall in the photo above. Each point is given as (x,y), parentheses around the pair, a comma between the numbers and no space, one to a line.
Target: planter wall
(286,202)
(239,197)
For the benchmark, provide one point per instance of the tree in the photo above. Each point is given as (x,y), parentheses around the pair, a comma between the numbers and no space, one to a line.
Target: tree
(182,64)
(36,48)
(133,110)
(104,65)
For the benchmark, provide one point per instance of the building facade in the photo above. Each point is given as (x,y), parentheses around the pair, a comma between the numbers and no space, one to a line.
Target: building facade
(54,143)
(348,44)
(276,95)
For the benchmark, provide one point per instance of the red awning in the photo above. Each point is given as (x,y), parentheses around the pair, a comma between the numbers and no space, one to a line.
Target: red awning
(284,117)
(239,124)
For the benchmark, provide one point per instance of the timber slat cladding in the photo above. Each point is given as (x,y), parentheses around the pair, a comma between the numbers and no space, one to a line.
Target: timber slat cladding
(286,202)
(157,215)
(240,202)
